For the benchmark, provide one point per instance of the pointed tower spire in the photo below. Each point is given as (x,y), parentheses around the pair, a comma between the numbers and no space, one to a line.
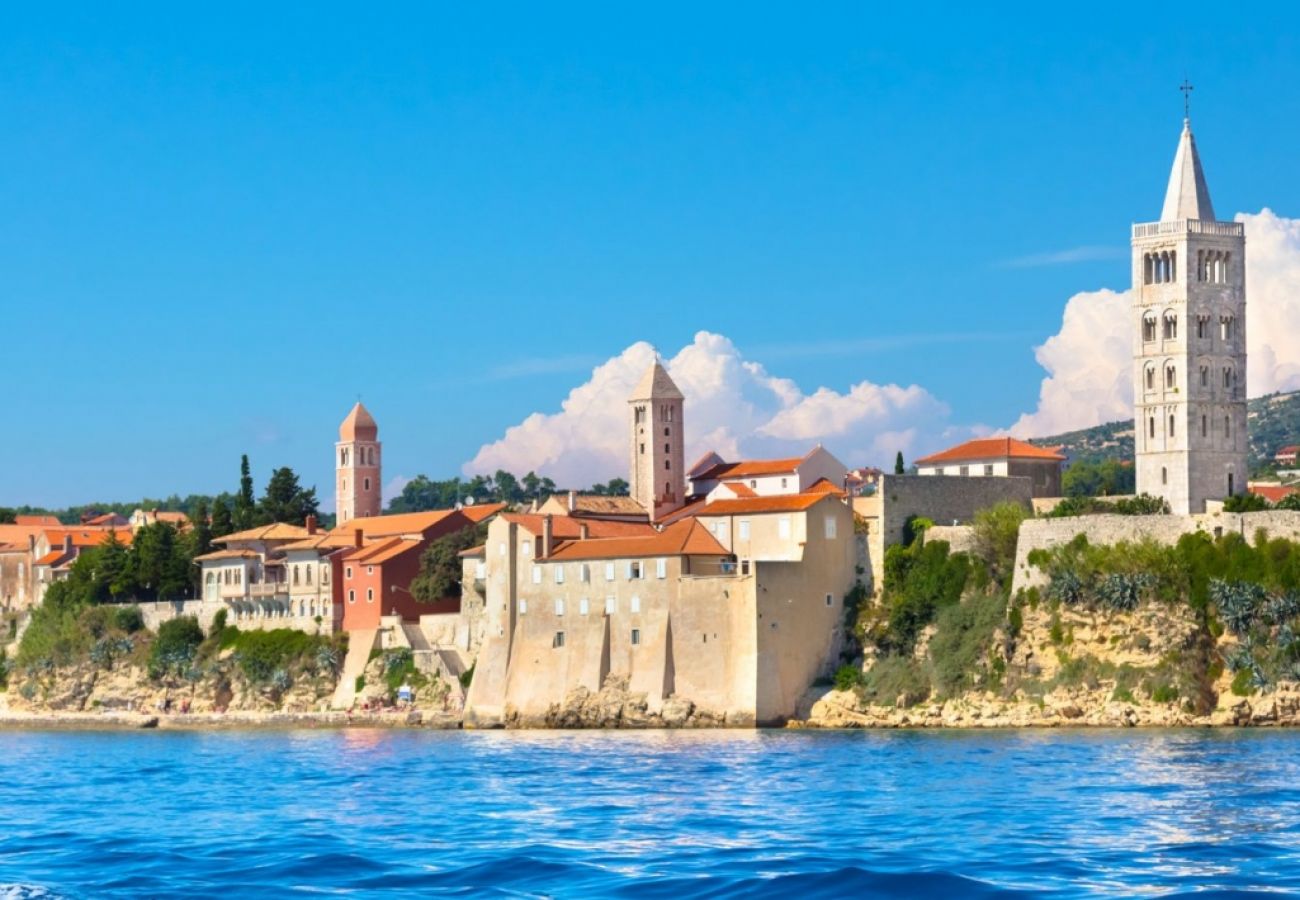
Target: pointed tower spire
(1188,197)
(656,384)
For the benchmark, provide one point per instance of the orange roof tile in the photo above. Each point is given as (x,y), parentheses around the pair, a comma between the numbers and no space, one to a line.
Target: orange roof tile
(685,538)
(277,531)
(482,511)
(44,521)
(824,486)
(359,425)
(990,448)
(382,551)
(739,488)
(400,523)
(50,558)
(751,468)
(1271,492)
(480,550)
(567,527)
(227,554)
(774,503)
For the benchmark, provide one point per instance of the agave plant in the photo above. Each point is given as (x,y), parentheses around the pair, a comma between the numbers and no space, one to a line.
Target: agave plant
(396,660)
(1122,592)
(1260,681)
(1285,637)
(1238,602)
(102,652)
(281,681)
(1066,587)
(327,659)
(1238,657)
(1283,608)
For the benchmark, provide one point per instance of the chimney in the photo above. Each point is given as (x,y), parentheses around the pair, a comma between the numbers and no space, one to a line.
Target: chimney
(356,537)
(573,501)
(583,530)
(547,526)
(311,524)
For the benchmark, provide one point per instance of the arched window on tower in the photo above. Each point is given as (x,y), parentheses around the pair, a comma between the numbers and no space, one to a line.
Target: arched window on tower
(343,457)
(1149,326)
(1151,377)
(1173,265)
(1171,376)
(1202,327)
(1171,326)
(1148,269)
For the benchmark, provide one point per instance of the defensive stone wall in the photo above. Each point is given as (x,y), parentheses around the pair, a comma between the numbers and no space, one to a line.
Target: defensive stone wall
(205,611)
(1038,534)
(960,538)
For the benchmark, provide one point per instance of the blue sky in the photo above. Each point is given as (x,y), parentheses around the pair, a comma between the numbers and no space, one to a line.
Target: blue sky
(219,227)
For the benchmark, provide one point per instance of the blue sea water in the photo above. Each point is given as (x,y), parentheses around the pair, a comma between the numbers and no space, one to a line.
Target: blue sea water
(649,814)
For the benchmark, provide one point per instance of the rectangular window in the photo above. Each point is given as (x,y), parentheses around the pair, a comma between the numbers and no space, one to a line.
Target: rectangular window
(609,571)
(636,636)
(830,528)
(1205,428)
(988,471)
(370,595)
(523,605)
(480,570)
(634,570)
(584,606)
(830,600)
(558,571)
(537,574)
(744,567)
(557,641)
(964,470)
(559,606)
(584,573)
(502,549)
(744,529)
(352,596)
(783,527)
(525,547)
(370,570)
(348,572)
(611,606)
(635,605)
(661,568)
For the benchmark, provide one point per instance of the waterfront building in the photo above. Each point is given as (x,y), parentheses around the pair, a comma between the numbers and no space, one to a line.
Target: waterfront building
(1189,344)
(734,603)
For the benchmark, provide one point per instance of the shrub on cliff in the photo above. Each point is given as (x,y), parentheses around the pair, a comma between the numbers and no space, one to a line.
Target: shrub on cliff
(175,647)
(997,531)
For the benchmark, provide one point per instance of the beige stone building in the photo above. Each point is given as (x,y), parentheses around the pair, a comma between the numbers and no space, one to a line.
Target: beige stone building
(1189,345)
(1003,457)
(735,604)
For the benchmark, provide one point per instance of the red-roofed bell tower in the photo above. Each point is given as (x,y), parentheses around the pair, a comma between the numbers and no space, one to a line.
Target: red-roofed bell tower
(357,462)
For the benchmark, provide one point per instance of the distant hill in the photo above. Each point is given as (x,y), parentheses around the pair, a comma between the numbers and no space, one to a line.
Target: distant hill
(1274,422)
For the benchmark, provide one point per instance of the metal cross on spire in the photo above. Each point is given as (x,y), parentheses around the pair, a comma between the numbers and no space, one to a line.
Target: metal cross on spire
(1186,88)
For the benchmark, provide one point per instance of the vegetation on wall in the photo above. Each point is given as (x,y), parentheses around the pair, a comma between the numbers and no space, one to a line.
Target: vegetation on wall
(423,493)
(441,567)
(1141,505)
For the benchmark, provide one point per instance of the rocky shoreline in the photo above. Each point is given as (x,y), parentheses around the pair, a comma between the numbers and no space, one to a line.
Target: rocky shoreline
(129,721)
(843,709)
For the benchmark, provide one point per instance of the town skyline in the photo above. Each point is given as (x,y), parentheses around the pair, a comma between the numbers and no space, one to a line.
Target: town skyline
(201,332)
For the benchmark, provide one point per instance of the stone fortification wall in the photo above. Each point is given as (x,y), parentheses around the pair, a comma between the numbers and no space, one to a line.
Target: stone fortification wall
(944,499)
(960,538)
(156,613)
(1044,533)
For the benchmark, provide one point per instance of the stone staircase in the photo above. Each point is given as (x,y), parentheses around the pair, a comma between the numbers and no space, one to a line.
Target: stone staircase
(360,643)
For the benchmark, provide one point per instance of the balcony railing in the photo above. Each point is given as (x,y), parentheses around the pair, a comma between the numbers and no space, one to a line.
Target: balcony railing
(268,589)
(1189,226)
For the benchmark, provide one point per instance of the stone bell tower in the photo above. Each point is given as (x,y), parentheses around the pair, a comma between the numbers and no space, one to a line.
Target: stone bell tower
(1189,344)
(358,490)
(658,453)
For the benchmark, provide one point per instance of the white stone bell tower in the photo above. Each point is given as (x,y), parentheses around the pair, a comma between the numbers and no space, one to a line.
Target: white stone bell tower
(658,471)
(357,465)
(1189,345)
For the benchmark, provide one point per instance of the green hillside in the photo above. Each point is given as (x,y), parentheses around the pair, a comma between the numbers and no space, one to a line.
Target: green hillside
(1274,423)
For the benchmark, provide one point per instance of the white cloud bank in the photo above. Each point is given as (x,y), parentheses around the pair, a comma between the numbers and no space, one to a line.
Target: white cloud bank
(1090,360)
(734,406)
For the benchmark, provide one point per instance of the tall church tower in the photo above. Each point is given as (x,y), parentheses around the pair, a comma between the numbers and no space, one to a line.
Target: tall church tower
(357,462)
(657,449)
(1189,345)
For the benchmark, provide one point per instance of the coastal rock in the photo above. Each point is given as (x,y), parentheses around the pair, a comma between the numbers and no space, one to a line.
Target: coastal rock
(676,711)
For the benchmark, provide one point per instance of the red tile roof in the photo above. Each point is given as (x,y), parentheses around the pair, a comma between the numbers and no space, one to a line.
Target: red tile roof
(750,468)
(45,521)
(774,503)
(824,486)
(50,558)
(382,551)
(568,527)
(482,511)
(1272,492)
(739,488)
(990,448)
(685,538)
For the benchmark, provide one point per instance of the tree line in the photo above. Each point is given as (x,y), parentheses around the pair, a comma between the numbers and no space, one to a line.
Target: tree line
(422,493)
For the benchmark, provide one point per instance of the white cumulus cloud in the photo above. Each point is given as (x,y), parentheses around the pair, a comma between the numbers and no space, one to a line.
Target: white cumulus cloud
(1089,362)
(733,406)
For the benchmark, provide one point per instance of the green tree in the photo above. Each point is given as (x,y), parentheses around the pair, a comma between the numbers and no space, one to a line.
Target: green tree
(507,487)
(1097,478)
(245,507)
(223,523)
(162,562)
(532,485)
(997,530)
(115,567)
(7,515)
(286,500)
(899,468)
(1240,503)
(441,567)
(201,528)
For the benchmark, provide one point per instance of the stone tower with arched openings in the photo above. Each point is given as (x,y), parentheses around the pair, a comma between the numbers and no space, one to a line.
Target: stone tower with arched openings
(357,464)
(658,454)
(1189,345)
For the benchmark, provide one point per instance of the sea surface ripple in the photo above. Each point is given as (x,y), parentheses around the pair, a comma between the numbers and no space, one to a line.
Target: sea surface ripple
(649,814)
